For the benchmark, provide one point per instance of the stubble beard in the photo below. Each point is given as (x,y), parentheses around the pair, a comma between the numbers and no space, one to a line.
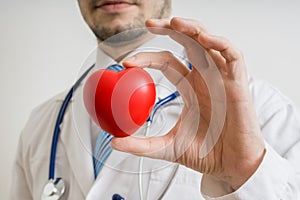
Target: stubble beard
(129,32)
(121,34)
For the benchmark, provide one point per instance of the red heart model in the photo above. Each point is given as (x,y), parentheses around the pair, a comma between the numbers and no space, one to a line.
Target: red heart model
(119,102)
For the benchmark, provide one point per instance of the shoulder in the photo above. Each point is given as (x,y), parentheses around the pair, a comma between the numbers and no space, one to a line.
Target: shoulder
(42,119)
(50,103)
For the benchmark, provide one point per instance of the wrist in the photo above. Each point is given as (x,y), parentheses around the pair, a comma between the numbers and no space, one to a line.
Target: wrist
(244,171)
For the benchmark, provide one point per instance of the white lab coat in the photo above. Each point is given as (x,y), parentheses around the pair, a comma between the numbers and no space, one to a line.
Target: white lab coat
(278,177)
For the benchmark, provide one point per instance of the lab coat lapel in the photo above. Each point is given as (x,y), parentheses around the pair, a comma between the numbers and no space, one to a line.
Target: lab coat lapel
(76,131)
(75,135)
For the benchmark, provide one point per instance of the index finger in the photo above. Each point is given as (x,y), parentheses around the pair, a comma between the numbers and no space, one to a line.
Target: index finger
(186,33)
(189,27)
(164,61)
(176,28)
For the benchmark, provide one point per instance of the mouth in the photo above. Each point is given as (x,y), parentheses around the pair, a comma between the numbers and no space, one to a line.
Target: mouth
(114,5)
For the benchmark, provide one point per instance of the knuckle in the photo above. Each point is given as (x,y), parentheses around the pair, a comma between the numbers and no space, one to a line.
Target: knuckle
(175,19)
(167,58)
(240,54)
(224,40)
(237,55)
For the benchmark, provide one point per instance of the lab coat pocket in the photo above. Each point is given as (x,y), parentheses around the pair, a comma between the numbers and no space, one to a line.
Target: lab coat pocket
(184,185)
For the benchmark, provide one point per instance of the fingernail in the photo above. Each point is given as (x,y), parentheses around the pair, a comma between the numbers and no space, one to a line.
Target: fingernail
(129,62)
(130,59)
(154,20)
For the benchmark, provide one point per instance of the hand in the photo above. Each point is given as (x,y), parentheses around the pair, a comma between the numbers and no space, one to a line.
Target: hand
(239,149)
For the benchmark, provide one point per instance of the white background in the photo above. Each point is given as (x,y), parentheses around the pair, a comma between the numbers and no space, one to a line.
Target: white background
(43,43)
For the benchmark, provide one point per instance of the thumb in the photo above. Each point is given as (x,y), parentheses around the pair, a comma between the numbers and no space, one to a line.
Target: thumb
(153,147)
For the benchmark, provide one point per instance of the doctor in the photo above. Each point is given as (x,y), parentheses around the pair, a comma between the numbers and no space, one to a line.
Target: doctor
(255,157)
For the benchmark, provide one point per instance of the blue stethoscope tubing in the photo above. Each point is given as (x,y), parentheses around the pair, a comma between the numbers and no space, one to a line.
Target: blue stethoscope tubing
(59,120)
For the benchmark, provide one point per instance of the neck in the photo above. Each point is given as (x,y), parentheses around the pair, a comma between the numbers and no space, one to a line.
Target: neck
(118,52)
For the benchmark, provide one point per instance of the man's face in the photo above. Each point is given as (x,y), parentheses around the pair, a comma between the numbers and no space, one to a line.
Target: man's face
(109,17)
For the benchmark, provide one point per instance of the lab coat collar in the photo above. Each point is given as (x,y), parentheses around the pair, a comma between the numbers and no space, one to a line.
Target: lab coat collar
(155,44)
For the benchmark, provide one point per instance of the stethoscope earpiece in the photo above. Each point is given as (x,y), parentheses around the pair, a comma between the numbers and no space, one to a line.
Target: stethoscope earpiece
(54,189)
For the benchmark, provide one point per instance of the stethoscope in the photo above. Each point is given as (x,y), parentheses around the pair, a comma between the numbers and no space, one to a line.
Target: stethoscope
(55,187)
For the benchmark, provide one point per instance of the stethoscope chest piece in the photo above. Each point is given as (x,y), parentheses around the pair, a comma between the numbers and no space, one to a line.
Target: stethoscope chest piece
(54,189)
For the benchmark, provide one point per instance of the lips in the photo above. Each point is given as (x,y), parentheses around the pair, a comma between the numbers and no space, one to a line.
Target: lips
(113,3)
